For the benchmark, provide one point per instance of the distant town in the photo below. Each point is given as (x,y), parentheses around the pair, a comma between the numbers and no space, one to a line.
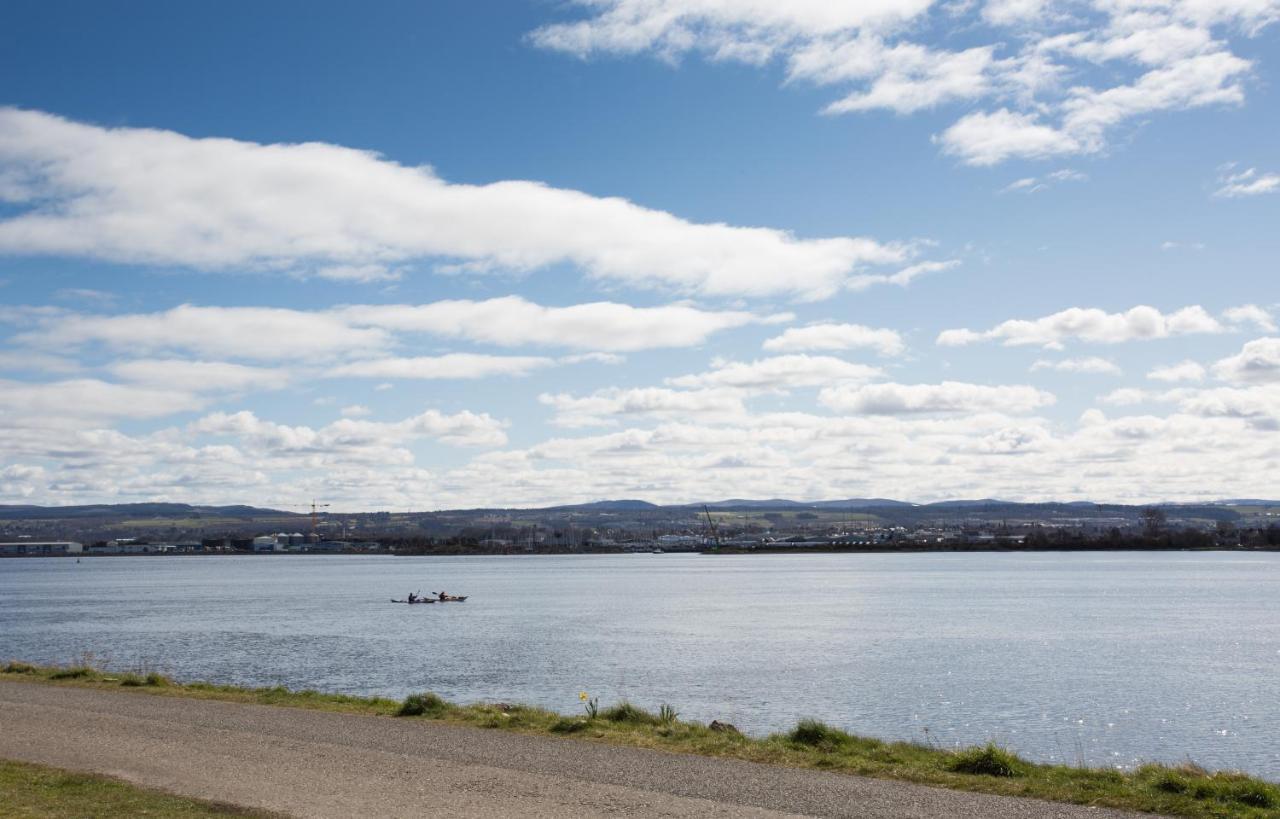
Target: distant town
(636,526)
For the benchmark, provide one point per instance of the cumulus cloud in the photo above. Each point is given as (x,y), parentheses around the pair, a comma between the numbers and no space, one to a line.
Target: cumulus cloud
(777,373)
(270,438)
(1183,371)
(831,336)
(1257,362)
(158,197)
(1160,57)
(946,397)
(1251,314)
(1092,325)
(1092,365)
(606,407)
(451,365)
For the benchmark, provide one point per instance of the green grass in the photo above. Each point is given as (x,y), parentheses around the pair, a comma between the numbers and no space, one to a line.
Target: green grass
(991,760)
(1182,790)
(32,791)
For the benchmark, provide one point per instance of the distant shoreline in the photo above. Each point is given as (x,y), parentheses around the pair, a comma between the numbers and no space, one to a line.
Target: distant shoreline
(806,550)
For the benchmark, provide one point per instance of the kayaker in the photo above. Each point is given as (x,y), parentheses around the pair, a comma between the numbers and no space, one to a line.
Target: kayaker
(413,598)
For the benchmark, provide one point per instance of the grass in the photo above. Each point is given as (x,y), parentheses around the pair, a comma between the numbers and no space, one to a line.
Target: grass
(1181,790)
(33,791)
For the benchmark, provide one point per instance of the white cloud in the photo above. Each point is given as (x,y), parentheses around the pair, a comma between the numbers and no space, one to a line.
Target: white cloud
(199,376)
(1092,325)
(159,197)
(1027,184)
(830,336)
(359,273)
(606,407)
(901,278)
(1183,371)
(1092,365)
(513,321)
(1257,406)
(1257,362)
(1126,396)
(356,411)
(1011,12)
(263,333)
(1250,314)
(92,400)
(1032,184)
(269,438)
(1161,56)
(609,359)
(452,365)
(729,29)
(946,397)
(1247,183)
(777,373)
(989,138)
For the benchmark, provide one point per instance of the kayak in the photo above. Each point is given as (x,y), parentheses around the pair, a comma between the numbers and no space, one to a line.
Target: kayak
(413,602)
(450,599)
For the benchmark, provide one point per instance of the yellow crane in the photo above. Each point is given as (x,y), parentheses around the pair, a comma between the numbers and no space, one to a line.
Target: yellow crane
(314,507)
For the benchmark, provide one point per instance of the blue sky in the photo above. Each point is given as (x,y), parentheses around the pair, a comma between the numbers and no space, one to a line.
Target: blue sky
(454,254)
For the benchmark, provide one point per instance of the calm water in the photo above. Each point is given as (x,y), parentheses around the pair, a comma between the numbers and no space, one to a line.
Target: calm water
(1112,659)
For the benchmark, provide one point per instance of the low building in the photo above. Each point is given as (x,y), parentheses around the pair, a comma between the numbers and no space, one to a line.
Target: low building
(49,548)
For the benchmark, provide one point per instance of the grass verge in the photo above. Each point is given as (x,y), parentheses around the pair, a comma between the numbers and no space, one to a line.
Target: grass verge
(34,792)
(1184,790)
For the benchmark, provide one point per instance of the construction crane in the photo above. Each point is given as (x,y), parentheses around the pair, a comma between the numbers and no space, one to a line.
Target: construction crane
(315,506)
(712,527)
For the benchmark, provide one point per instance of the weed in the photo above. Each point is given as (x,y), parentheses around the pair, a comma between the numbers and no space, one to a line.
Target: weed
(630,714)
(817,734)
(991,760)
(667,714)
(418,705)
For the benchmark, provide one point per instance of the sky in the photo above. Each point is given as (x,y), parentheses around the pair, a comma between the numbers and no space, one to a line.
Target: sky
(414,256)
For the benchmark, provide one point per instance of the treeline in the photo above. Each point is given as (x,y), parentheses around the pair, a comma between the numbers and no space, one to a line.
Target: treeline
(1224,537)
(467,545)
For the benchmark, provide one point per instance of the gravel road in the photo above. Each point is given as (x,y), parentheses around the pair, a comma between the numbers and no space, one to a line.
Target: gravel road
(314,763)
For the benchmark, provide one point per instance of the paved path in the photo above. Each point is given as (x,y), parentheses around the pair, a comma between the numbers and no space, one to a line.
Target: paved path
(314,763)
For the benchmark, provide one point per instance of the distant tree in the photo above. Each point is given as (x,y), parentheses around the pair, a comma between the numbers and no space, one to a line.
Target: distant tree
(1153,521)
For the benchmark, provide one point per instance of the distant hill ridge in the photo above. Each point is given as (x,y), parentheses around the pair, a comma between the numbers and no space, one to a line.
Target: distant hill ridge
(141,510)
(183,510)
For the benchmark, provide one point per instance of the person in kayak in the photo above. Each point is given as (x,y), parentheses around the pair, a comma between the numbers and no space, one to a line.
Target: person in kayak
(413,598)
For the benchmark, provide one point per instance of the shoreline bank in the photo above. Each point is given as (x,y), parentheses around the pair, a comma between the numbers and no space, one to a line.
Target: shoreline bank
(1181,790)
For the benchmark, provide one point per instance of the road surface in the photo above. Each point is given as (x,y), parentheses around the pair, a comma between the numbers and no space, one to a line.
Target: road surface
(316,763)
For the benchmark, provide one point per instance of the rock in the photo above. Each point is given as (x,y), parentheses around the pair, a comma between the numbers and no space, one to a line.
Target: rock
(723,727)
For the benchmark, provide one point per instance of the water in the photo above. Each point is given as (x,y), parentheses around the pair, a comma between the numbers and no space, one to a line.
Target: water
(1103,659)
